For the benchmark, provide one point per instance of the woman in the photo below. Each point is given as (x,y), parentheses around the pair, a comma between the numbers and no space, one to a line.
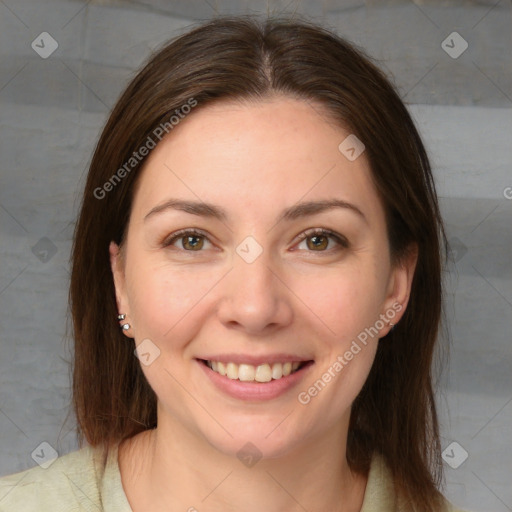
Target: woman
(260,229)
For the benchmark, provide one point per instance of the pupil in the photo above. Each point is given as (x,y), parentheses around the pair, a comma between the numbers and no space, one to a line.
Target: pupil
(190,241)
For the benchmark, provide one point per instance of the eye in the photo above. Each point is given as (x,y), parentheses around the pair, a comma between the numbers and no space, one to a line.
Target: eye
(318,240)
(192,240)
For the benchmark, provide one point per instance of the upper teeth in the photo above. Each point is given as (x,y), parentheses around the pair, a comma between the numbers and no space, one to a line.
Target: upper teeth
(247,372)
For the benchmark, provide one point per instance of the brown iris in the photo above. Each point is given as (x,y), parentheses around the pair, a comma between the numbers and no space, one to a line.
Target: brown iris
(317,242)
(193,242)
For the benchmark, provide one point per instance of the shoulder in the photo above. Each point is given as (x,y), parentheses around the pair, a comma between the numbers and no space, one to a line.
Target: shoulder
(381,493)
(69,484)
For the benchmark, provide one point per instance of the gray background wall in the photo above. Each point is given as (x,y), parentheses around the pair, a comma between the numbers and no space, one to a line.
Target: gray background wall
(51,113)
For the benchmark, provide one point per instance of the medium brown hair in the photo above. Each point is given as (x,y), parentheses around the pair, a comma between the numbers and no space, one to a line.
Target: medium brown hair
(249,59)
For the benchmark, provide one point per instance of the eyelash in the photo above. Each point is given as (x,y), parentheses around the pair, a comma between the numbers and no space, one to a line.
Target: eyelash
(340,240)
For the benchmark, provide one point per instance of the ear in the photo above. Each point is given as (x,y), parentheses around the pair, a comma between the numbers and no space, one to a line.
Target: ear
(118,272)
(399,289)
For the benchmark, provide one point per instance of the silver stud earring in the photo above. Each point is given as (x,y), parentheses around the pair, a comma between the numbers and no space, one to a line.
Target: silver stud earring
(125,326)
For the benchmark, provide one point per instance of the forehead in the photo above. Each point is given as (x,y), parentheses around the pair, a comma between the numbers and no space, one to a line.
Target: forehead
(273,152)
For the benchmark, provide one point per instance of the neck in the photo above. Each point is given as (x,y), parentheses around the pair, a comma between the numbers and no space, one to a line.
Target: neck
(172,469)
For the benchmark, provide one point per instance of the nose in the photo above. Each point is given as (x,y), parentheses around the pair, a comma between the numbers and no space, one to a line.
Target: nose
(255,298)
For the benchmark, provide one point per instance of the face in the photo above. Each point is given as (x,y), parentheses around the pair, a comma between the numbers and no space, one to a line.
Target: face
(255,247)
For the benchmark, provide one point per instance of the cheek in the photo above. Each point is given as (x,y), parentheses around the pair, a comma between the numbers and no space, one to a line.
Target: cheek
(344,301)
(348,306)
(163,299)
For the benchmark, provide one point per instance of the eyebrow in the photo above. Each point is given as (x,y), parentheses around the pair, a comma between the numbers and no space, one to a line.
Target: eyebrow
(294,212)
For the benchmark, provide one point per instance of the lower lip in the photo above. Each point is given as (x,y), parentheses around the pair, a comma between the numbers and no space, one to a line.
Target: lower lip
(255,391)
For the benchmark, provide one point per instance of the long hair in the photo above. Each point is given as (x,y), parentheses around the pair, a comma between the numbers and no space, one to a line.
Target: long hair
(248,59)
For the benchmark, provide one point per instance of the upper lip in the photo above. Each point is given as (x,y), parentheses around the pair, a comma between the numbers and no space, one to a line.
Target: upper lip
(255,360)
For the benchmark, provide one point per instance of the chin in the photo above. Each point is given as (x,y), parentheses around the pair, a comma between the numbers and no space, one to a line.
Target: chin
(262,439)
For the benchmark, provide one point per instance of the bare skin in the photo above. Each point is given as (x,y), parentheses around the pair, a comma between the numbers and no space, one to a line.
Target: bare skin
(310,298)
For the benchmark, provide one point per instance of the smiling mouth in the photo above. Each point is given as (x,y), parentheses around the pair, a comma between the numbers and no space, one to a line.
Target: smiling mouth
(261,373)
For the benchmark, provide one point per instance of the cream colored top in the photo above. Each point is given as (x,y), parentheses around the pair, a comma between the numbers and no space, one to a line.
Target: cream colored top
(82,481)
